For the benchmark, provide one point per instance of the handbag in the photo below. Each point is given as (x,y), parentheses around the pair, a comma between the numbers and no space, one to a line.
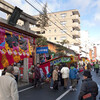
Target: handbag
(88,96)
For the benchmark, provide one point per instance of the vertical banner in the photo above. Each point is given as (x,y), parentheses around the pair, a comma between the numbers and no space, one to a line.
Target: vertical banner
(46,68)
(30,62)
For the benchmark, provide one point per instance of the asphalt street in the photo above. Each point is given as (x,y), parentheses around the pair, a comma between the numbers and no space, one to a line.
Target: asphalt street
(46,93)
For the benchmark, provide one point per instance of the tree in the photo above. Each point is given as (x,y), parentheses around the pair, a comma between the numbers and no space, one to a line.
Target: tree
(43,18)
(61,48)
(41,41)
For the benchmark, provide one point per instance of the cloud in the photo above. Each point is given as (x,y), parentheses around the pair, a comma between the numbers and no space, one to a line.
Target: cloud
(97,17)
(87,23)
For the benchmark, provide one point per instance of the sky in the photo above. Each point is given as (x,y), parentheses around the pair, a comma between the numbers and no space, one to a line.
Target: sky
(89,12)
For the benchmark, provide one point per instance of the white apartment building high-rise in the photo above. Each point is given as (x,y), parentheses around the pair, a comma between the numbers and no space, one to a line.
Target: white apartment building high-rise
(86,45)
(63,25)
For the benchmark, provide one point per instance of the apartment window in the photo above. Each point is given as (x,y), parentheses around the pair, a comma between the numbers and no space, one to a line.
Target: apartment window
(63,15)
(63,23)
(49,38)
(49,30)
(63,31)
(55,30)
(55,38)
(63,38)
(50,23)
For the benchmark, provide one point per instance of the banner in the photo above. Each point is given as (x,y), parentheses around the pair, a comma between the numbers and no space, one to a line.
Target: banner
(41,50)
(13,47)
(58,61)
(46,68)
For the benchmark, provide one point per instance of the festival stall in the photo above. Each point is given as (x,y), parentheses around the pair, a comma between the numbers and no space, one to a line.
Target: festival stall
(14,47)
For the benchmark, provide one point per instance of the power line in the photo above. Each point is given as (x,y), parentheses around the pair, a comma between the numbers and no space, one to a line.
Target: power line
(54,17)
(49,19)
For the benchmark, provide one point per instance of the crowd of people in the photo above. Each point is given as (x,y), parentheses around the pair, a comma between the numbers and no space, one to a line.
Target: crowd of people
(61,75)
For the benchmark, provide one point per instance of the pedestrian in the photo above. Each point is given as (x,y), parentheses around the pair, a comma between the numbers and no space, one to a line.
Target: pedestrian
(16,72)
(65,75)
(51,73)
(55,78)
(8,86)
(96,67)
(73,77)
(4,71)
(61,79)
(37,75)
(89,66)
(88,87)
(32,74)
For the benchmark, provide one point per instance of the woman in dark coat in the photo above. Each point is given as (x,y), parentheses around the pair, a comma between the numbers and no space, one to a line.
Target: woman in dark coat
(88,86)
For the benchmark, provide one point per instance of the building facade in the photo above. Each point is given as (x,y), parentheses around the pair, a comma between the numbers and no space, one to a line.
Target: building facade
(63,25)
(85,43)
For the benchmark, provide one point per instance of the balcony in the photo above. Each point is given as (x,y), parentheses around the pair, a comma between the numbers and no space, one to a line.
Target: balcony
(76,12)
(76,26)
(76,18)
(76,34)
(77,42)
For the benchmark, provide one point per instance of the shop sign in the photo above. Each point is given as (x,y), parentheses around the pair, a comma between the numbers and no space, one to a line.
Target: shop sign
(66,59)
(41,50)
(58,61)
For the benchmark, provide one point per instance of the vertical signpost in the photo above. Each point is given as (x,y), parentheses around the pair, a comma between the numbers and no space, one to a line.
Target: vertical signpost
(42,50)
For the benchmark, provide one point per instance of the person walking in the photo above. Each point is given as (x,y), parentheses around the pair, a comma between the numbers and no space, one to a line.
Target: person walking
(96,67)
(16,72)
(89,66)
(65,75)
(51,72)
(88,87)
(55,78)
(8,86)
(37,75)
(73,77)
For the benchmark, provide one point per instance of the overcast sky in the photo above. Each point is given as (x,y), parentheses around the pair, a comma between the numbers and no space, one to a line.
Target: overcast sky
(89,11)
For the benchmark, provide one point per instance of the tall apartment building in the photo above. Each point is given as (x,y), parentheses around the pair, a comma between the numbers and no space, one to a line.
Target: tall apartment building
(85,43)
(63,25)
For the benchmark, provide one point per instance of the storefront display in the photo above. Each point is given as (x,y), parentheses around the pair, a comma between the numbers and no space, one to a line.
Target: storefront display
(13,47)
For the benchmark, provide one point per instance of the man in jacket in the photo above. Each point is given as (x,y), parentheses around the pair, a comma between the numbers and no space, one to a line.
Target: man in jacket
(8,86)
(73,77)
(96,67)
(55,78)
(37,75)
(88,86)
(65,75)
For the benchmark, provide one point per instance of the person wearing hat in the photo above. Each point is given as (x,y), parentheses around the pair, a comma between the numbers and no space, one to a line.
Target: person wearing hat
(88,86)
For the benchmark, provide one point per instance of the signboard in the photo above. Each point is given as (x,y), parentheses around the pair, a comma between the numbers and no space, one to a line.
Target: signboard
(58,61)
(41,50)
(45,68)
(30,62)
